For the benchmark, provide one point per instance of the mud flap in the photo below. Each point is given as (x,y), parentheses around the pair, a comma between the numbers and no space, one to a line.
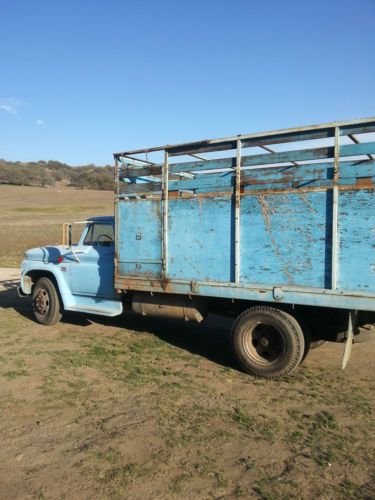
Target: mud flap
(352,323)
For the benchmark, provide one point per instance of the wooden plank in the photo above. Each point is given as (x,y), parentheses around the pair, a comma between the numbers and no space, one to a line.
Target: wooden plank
(132,172)
(283,135)
(349,168)
(260,140)
(309,154)
(290,175)
(280,157)
(358,129)
(143,188)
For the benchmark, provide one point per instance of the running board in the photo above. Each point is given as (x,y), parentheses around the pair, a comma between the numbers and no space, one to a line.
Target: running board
(94,305)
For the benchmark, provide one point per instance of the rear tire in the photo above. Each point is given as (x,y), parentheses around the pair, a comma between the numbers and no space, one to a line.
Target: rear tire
(267,342)
(46,302)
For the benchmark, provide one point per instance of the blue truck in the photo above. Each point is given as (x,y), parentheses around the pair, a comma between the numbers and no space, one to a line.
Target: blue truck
(275,230)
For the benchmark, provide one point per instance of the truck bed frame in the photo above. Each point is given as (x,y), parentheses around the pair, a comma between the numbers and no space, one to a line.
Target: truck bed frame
(286,216)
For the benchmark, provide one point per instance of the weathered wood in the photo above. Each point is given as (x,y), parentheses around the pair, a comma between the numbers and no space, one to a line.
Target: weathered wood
(301,155)
(298,227)
(131,172)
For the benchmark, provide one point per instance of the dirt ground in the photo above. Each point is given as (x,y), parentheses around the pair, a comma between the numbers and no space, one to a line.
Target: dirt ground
(136,408)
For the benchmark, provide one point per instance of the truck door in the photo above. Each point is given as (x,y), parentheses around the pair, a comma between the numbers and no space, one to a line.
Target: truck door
(94,273)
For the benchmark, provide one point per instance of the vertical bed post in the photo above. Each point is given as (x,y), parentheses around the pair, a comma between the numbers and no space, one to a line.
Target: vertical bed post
(115,208)
(335,203)
(165,183)
(237,210)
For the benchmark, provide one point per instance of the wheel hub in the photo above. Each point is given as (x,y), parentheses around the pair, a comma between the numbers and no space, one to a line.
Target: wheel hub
(264,341)
(41,302)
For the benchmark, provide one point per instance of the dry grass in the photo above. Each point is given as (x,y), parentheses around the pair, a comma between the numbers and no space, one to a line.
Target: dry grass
(31,216)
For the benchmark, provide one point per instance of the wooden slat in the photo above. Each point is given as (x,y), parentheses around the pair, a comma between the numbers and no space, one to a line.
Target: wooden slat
(132,172)
(263,176)
(276,136)
(143,188)
(280,157)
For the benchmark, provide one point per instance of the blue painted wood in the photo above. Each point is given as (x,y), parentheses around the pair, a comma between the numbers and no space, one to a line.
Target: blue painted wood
(200,239)
(139,269)
(269,158)
(139,237)
(356,268)
(281,177)
(307,175)
(285,228)
(286,239)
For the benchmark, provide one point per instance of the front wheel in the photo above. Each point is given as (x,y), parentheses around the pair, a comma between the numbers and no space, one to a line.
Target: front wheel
(46,302)
(267,342)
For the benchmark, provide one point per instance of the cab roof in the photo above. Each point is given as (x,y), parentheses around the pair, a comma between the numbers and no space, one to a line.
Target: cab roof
(101,218)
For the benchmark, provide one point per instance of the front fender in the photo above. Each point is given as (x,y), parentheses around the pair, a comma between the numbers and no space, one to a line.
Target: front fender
(28,268)
(78,303)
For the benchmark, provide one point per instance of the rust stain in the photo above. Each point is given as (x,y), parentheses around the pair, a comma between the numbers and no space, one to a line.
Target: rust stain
(257,192)
(303,197)
(365,182)
(285,179)
(265,210)
(173,195)
(166,285)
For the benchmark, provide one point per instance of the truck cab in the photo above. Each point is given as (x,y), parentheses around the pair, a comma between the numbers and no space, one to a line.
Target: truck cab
(73,277)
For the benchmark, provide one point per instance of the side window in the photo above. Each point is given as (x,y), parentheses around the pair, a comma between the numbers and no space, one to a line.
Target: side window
(99,234)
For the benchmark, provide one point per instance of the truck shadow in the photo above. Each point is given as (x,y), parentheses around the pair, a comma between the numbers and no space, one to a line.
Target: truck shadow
(9,298)
(209,339)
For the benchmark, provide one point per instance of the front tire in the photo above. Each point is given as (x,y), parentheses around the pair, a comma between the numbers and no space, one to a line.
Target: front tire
(46,302)
(267,342)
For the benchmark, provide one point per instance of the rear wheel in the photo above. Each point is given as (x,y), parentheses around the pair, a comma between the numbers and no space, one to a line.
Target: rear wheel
(267,342)
(46,302)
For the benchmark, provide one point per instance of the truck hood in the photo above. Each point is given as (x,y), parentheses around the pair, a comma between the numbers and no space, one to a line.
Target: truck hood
(45,254)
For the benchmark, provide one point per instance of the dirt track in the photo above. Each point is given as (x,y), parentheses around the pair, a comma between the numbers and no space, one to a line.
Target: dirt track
(135,408)
(9,278)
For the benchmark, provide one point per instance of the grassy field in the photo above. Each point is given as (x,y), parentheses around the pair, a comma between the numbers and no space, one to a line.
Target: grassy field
(138,408)
(31,216)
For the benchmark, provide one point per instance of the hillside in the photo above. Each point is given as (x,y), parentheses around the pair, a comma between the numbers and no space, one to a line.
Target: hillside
(48,173)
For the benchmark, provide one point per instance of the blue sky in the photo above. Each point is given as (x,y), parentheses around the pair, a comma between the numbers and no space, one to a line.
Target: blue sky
(83,79)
